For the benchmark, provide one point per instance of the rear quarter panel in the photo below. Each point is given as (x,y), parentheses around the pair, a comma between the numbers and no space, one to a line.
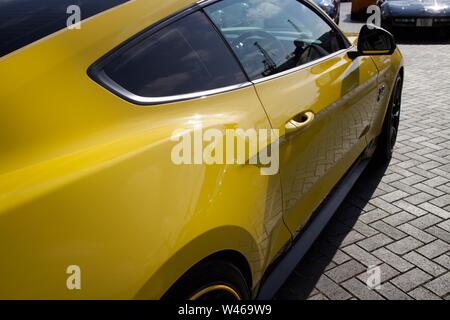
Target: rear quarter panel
(86,178)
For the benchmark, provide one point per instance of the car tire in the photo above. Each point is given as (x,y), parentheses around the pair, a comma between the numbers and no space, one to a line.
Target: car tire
(211,281)
(388,137)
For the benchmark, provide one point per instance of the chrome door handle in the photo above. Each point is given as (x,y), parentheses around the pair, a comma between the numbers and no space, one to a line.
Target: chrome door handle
(299,122)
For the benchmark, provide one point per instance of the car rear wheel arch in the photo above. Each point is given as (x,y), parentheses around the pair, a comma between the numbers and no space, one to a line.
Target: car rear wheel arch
(224,258)
(230,243)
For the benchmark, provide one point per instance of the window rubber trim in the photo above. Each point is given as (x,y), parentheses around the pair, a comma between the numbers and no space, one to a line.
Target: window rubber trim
(96,70)
(113,86)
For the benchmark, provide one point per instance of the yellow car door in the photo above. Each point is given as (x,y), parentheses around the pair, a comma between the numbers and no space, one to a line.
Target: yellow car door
(320,100)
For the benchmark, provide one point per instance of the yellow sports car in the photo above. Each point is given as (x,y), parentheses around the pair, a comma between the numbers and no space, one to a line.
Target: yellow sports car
(105,106)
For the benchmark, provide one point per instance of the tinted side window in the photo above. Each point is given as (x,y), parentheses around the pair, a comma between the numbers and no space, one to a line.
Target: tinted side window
(272,36)
(187,56)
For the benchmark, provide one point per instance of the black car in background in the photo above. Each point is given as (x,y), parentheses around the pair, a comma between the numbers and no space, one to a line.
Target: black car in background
(331,7)
(424,14)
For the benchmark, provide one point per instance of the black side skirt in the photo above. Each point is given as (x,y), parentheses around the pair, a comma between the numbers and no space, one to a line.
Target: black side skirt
(286,265)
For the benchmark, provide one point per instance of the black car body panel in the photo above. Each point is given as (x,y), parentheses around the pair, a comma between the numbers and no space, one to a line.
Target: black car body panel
(415,13)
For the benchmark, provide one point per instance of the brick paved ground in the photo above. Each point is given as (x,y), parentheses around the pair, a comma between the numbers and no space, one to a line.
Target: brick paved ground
(396,217)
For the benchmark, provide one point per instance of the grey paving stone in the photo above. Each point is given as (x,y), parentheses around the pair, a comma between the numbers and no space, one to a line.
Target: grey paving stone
(425,264)
(408,164)
(404,245)
(386,272)
(340,257)
(345,271)
(361,255)
(429,165)
(445,225)
(355,200)
(434,192)
(405,188)
(378,192)
(411,279)
(440,286)
(426,174)
(439,233)
(386,206)
(411,208)
(388,230)
(367,207)
(331,290)
(425,221)
(386,187)
(400,171)
(444,261)
(330,265)
(418,198)
(318,296)
(445,189)
(364,229)
(373,215)
(416,233)
(436,210)
(435,182)
(394,196)
(395,177)
(442,201)
(446,168)
(390,292)
(361,290)
(375,242)
(421,293)
(393,260)
(399,218)
(314,292)
(434,249)
(350,238)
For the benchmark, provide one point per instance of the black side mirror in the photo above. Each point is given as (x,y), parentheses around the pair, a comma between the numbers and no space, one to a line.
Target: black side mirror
(374,41)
